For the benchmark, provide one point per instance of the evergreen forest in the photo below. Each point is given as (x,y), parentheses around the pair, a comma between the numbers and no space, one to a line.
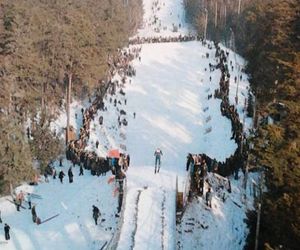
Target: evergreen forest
(267,34)
(42,44)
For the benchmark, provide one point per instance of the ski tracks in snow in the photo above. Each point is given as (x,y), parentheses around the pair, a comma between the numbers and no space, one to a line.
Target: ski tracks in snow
(135,219)
(148,217)
(163,219)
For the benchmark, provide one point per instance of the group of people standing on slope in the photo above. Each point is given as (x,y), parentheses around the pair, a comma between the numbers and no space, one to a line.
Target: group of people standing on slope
(118,64)
(237,160)
(18,201)
(170,39)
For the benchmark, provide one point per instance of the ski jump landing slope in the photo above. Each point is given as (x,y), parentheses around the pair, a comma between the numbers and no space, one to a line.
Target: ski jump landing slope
(169,97)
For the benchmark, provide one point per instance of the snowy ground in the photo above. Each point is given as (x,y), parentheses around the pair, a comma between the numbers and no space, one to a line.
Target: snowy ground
(168,14)
(61,121)
(169,96)
(74,228)
(219,227)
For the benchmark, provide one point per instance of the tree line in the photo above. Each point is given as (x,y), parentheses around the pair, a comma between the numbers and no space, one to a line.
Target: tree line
(45,44)
(267,34)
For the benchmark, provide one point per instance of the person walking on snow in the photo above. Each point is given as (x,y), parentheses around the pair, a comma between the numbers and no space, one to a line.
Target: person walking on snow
(70,174)
(61,176)
(96,214)
(6,231)
(80,169)
(158,153)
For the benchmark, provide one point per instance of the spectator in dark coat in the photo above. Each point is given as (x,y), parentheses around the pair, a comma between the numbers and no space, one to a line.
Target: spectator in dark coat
(81,169)
(128,160)
(33,213)
(6,231)
(190,161)
(96,214)
(61,176)
(70,174)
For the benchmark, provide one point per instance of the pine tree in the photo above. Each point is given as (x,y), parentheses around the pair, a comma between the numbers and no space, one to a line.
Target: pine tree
(45,145)
(15,155)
